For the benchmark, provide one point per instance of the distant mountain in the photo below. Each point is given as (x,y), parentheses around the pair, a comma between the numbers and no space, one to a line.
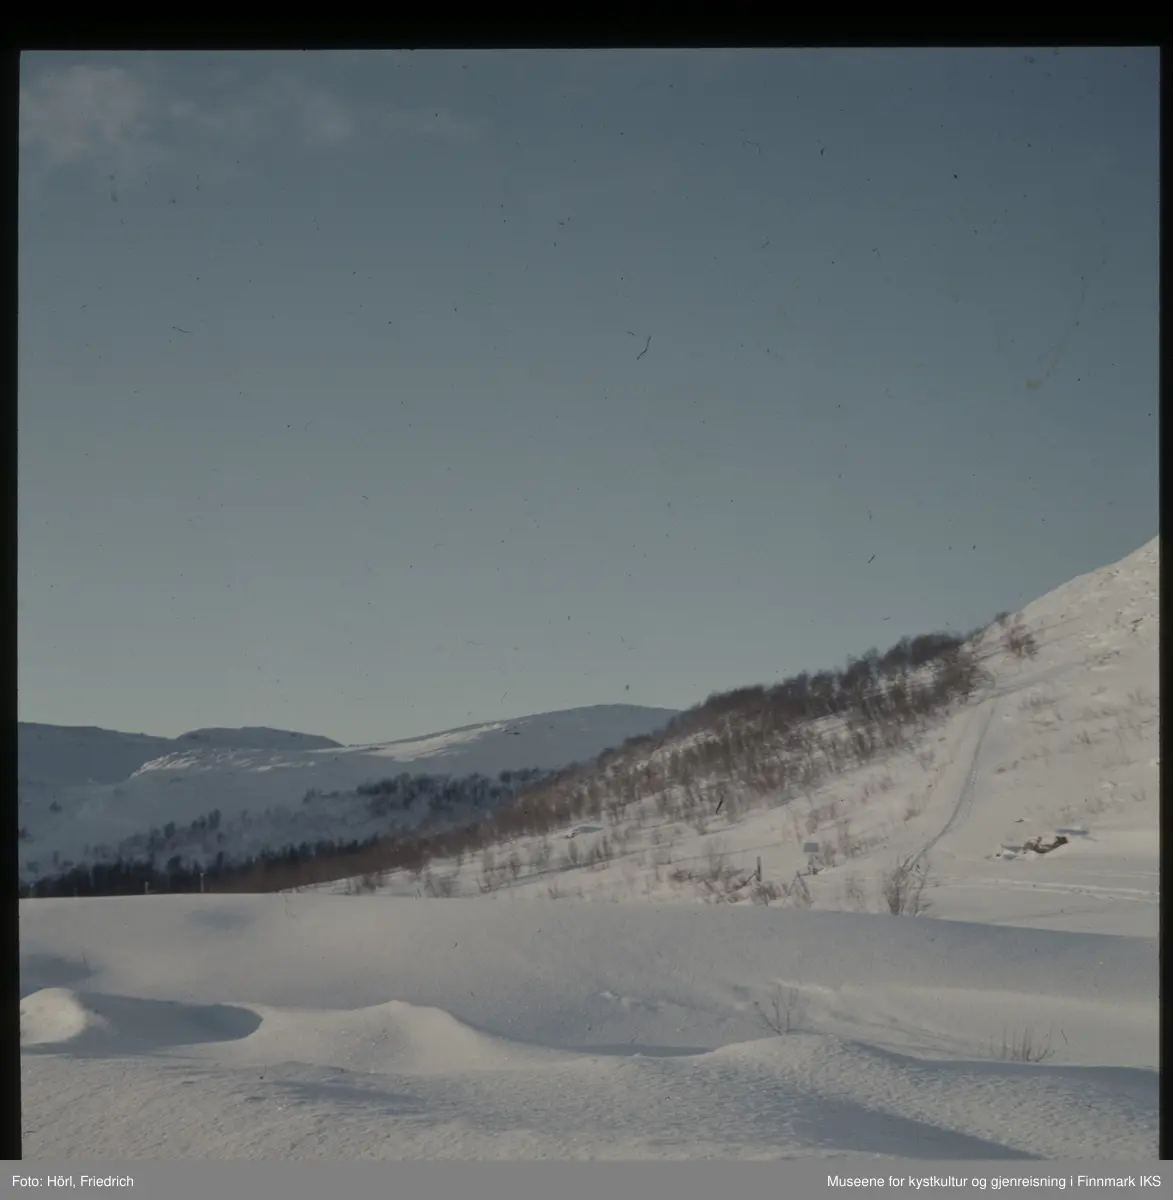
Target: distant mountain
(68,754)
(85,754)
(91,793)
(256,737)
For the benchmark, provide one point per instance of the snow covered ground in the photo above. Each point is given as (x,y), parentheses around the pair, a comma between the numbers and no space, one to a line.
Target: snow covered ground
(333,1026)
(1018,1019)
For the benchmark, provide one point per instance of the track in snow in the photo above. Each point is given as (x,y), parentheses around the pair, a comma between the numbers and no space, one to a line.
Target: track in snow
(965,796)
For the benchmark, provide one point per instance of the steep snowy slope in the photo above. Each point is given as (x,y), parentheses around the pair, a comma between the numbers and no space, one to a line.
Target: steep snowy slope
(1059,744)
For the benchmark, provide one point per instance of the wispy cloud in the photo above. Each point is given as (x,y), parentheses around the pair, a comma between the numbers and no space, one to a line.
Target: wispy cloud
(277,107)
(113,113)
(83,112)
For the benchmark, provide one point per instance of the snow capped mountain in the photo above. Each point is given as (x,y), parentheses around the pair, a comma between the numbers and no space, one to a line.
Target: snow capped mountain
(85,754)
(66,754)
(85,793)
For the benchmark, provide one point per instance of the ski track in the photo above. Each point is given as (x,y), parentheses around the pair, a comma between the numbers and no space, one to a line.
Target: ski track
(965,796)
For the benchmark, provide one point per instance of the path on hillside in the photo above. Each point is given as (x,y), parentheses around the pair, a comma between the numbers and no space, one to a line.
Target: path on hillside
(965,796)
(964,802)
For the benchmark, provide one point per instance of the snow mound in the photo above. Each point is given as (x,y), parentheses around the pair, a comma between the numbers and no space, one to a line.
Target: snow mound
(391,1037)
(53,1016)
(93,1023)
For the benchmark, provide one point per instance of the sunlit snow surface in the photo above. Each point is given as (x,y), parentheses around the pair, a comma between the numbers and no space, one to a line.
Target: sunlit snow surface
(628,1019)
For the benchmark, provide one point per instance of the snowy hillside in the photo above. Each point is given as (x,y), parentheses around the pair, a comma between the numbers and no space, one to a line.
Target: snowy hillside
(1063,743)
(265,789)
(755,978)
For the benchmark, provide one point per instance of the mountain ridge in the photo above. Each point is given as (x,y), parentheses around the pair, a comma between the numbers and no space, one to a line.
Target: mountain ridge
(293,789)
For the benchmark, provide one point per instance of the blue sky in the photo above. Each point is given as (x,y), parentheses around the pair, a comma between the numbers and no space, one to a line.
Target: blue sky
(338,410)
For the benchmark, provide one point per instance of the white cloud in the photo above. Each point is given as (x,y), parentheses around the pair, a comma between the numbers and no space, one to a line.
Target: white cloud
(83,111)
(275,108)
(121,116)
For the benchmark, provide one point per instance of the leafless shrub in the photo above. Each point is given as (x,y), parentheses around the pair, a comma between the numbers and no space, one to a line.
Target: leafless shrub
(848,845)
(763,891)
(1026,1047)
(902,888)
(785,1011)
(799,894)
(600,853)
(1020,642)
(810,776)
(442,886)
(720,882)
(540,856)
(715,860)
(853,893)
